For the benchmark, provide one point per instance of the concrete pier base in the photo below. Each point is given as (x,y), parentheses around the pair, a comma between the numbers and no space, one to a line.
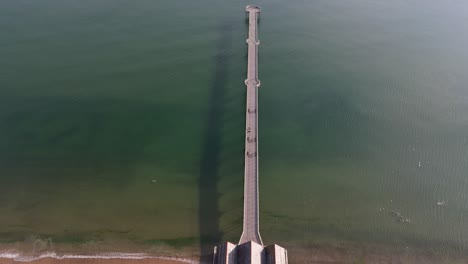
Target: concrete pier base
(249,253)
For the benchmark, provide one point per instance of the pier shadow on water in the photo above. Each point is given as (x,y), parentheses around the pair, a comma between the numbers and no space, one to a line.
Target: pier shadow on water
(209,212)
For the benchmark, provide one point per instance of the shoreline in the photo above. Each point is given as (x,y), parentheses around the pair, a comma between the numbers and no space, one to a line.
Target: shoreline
(108,258)
(312,254)
(323,251)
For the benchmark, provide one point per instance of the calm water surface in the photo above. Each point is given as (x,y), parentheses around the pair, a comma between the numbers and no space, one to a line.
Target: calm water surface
(121,124)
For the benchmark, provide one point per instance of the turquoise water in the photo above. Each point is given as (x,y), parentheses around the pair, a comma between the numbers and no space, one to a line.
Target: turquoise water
(121,125)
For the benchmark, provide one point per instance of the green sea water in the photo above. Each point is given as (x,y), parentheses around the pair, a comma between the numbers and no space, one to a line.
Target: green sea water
(122,125)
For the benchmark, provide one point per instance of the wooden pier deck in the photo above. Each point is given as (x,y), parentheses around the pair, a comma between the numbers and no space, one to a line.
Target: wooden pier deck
(251,227)
(250,249)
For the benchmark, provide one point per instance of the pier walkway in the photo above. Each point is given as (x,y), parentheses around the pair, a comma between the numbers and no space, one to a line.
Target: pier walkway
(250,249)
(251,230)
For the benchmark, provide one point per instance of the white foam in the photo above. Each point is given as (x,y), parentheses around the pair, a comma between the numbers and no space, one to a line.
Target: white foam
(8,255)
(112,255)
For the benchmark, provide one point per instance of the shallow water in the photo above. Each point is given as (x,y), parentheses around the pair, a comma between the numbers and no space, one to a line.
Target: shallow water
(121,124)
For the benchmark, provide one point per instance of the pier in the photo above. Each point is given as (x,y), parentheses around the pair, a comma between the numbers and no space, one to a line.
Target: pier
(250,249)
(251,225)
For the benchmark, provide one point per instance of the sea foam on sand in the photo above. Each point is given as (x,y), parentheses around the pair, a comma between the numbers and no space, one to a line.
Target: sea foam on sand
(24,258)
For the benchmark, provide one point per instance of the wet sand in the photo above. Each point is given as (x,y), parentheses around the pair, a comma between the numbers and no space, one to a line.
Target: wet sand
(319,255)
(150,260)
(308,258)
(310,255)
(94,261)
(369,255)
(323,252)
